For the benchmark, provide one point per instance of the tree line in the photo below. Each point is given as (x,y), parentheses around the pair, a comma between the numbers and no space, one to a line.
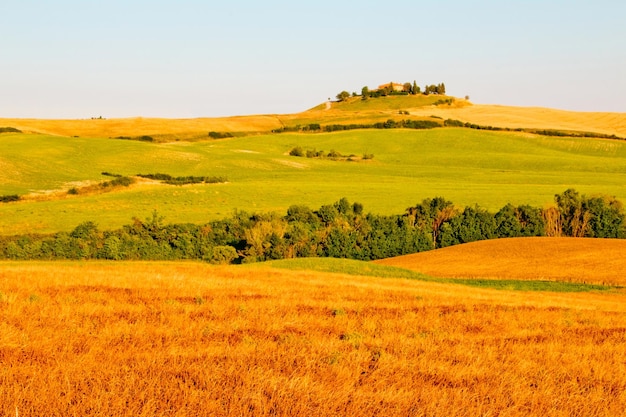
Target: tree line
(341,230)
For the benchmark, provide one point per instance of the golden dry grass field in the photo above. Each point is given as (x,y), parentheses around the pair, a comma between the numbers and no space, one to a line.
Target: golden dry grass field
(354,110)
(189,339)
(531,117)
(162,129)
(598,261)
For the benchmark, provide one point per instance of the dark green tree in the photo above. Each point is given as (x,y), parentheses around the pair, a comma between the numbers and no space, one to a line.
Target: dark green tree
(507,223)
(606,217)
(343,95)
(365,93)
(415,89)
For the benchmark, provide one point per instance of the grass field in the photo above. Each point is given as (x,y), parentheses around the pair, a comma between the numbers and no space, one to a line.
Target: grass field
(466,166)
(531,117)
(598,261)
(354,110)
(160,129)
(512,327)
(187,339)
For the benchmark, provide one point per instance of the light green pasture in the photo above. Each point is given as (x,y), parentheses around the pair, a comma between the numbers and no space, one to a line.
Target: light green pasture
(466,166)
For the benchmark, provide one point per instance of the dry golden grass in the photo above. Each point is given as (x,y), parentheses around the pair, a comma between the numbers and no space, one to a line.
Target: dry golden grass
(531,117)
(188,339)
(166,129)
(187,129)
(599,261)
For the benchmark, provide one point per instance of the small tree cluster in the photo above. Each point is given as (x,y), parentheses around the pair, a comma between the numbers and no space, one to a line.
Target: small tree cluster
(435,89)
(407,88)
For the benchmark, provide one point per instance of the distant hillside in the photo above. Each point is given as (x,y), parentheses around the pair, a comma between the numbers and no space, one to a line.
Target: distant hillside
(160,129)
(353,110)
(535,258)
(532,117)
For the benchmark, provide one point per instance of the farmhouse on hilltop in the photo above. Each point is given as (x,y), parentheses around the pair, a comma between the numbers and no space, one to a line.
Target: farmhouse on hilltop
(395,86)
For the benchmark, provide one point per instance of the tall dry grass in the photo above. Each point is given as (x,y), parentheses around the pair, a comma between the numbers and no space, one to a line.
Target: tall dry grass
(190,339)
(582,260)
(139,126)
(532,117)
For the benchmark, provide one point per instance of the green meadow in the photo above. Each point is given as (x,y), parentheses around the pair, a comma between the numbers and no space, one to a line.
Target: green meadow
(364,268)
(463,165)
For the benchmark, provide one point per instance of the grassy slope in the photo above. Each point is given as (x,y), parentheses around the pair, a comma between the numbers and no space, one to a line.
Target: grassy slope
(539,258)
(354,110)
(532,117)
(189,339)
(381,270)
(465,166)
(164,129)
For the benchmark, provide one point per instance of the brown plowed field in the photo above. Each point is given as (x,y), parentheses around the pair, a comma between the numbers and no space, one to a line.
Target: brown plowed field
(532,258)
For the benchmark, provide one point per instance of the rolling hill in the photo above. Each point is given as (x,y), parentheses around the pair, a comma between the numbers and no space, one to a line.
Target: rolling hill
(313,336)
(535,258)
(466,166)
(353,110)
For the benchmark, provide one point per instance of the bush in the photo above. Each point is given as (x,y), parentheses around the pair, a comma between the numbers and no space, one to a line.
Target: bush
(223,255)
(453,123)
(158,176)
(9,198)
(168,179)
(118,181)
(297,151)
(220,135)
(9,130)
(314,126)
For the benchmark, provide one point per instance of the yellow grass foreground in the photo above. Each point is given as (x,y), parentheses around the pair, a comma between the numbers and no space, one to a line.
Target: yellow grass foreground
(583,260)
(188,339)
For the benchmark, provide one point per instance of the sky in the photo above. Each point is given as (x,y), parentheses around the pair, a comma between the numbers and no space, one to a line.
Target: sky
(190,58)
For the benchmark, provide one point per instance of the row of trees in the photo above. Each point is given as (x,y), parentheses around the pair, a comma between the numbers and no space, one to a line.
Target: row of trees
(339,230)
(389,89)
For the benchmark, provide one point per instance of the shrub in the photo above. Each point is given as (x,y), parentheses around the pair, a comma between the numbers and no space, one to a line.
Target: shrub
(9,130)
(220,135)
(168,179)
(158,176)
(72,191)
(118,181)
(297,151)
(223,255)
(453,122)
(315,126)
(9,198)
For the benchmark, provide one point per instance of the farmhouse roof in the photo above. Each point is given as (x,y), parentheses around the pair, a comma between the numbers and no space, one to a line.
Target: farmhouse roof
(392,85)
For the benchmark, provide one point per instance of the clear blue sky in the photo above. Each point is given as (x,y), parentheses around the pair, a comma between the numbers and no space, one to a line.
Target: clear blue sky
(187,58)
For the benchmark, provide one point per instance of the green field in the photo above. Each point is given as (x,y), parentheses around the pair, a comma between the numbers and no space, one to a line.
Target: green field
(466,166)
